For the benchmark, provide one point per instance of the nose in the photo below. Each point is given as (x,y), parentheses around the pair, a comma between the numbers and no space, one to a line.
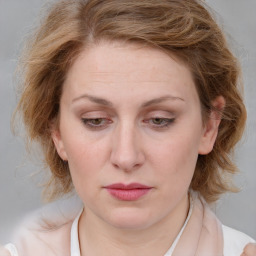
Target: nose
(127,154)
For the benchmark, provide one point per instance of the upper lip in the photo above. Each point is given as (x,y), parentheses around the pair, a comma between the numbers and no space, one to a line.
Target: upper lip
(128,186)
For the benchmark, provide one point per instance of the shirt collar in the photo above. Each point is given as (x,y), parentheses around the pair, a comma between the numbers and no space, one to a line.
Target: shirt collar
(75,247)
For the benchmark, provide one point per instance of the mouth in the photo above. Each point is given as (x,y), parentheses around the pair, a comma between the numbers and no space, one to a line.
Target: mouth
(129,192)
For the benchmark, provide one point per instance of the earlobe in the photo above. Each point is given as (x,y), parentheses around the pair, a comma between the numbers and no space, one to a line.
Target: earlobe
(57,140)
(210,130)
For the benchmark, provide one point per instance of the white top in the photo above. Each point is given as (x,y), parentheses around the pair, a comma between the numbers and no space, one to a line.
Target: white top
(75,248)
(234,241)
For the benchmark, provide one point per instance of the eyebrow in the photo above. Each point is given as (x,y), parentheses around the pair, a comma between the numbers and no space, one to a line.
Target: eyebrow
(94,99)
(159,100)
(105,102)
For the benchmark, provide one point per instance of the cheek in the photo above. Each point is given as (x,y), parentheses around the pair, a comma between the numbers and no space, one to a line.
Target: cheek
(85,156)
(177,159)
(84,165)
(82,149)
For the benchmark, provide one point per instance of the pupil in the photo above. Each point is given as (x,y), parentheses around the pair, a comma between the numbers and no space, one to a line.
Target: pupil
(97,121)
(157,120)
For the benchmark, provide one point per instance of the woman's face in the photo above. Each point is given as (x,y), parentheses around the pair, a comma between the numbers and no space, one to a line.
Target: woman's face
(131,131)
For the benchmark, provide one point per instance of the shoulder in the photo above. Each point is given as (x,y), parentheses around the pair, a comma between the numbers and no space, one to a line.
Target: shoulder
(46,231)
(45,240)
(234,241)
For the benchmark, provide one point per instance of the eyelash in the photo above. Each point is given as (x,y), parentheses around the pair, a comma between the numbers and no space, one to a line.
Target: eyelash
(164,122)
(89,123)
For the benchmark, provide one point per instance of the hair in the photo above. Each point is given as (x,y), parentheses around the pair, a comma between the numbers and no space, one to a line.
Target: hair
(183,28)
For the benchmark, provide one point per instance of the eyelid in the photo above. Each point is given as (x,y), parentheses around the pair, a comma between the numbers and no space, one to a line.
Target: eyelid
(95,114)
(88,123)
(160,114)
(166,118)
(164,122)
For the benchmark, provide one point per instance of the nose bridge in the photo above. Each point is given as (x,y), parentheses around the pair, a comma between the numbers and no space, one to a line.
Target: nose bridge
(126,152)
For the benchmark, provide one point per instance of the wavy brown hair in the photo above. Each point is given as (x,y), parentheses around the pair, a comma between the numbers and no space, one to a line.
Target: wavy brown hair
(184,28)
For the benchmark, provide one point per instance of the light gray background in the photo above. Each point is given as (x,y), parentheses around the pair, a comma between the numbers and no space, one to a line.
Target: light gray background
(19,193)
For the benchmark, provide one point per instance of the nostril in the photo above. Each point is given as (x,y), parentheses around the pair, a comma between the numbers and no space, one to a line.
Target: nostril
(128,164)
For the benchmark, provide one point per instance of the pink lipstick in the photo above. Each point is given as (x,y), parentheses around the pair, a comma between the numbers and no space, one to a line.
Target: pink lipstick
(130,192)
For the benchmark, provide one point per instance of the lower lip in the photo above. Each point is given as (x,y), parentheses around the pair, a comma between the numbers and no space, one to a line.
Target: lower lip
(128,194)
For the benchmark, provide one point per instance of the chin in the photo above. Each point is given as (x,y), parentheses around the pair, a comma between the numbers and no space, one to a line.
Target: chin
(129,219)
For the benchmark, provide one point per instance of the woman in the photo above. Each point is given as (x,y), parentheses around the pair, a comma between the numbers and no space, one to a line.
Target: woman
(136,105)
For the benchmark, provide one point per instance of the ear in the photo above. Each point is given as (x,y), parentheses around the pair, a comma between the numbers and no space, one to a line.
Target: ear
(210,130)
(57,140)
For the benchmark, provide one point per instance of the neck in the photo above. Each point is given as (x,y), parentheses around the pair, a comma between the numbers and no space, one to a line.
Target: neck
(100,238)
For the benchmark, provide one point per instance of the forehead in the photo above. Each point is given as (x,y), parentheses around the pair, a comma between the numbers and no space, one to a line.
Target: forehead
(119,67)
(126,58)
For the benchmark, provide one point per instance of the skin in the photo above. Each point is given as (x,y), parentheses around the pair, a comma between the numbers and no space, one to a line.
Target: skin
(4,252)
(131,114)
(249,250)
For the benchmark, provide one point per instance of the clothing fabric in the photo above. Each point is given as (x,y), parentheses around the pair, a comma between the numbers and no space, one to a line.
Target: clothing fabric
(75,248)
(202,234)
(12,249)
(234,241)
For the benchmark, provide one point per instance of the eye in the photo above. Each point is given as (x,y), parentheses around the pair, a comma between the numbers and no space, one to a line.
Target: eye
(96,123)
(159,122)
